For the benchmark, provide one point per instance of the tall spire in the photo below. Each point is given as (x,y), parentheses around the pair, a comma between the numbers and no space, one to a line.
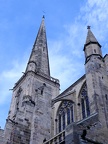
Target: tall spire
(39,61)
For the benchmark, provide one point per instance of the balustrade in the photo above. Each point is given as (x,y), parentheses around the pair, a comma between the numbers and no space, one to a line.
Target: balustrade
(58,139)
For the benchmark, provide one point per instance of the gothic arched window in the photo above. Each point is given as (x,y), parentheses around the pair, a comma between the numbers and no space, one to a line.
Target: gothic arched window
(68,116)
(72,116)
(84,102)
(65,115)
(59,122)
(63,118)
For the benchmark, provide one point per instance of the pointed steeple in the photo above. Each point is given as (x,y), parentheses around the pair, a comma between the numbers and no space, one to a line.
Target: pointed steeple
(90,36)
(92,46)
(39,61)
(90,39)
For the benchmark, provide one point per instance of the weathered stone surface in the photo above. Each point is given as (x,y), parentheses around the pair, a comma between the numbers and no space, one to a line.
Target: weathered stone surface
(34,112)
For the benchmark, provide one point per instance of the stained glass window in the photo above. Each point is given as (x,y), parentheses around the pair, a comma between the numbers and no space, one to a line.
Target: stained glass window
(72,116)
(85,102)
(68,116)
(87,106)
(83,108)
(59,123)
(65,115)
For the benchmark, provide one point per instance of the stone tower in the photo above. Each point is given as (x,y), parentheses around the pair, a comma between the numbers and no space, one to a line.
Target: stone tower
(97,84)
(30,116)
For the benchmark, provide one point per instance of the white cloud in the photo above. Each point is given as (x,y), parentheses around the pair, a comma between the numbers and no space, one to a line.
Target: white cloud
(68,66)
(95,13)
(65,66)
(8,78)
(15,71)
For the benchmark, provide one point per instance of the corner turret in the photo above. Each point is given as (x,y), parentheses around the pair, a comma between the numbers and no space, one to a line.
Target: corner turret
(92,46)
(96,79)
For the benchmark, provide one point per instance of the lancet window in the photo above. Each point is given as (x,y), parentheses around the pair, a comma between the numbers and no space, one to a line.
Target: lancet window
(65,115)
(84,102)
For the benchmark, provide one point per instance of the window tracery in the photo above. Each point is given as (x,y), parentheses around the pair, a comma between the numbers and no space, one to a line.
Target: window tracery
(59,122)
(65,115)
(85,102)
(68,116)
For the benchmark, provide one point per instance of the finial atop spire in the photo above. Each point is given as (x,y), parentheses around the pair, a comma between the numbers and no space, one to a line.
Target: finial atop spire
(88,27)
(43,14)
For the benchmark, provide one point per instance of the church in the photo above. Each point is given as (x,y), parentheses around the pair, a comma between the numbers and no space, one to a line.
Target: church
(40,114)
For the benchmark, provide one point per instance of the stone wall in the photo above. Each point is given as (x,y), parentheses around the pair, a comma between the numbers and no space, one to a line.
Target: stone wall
(1,136)
(20,134)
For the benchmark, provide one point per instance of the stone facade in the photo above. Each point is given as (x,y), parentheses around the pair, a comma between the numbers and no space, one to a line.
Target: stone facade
(39,114)
(1,136)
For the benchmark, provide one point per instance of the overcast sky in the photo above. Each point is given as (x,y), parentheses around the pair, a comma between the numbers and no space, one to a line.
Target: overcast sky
(66,26)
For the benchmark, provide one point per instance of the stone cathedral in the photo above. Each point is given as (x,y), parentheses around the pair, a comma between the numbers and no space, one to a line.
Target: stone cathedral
(39,114)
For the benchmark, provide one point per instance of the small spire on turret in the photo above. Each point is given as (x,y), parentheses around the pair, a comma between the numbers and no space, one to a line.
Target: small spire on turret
(88,27)
(90,37)
(43,16)
(91,45)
